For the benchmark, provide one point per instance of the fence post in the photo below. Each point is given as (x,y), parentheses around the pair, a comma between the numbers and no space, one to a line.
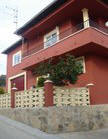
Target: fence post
(90,87)
(48,88)
(14,89)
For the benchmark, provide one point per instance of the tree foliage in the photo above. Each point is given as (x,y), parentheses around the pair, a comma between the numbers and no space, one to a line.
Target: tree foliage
(2,91)
(65,70)
(41,81)
(2,80)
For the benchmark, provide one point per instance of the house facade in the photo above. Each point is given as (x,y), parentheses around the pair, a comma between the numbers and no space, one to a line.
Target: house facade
(64,27)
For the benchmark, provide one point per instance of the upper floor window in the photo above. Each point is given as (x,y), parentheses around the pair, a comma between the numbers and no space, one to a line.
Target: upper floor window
(17,58)
(51,38)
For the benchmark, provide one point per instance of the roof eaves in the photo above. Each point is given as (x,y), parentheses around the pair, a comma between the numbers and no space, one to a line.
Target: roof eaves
(12,47)
(42,14)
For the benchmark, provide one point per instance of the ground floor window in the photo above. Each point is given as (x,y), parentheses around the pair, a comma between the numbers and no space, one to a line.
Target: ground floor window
(81,60)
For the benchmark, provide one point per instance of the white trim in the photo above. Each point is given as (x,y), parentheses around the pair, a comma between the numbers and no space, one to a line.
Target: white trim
(13,77)
(84,65)
(19,52)
(100,30)
(56,30)
(86,18)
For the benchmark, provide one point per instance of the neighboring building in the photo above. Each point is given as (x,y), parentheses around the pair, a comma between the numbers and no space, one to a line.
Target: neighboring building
(78,27)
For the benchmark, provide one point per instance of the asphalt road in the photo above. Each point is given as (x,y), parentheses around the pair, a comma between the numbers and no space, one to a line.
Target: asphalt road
(10,129)
(98,134)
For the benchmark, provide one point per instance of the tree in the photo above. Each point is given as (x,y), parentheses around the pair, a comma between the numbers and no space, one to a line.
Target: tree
(2,80)
(2,91)
(65,70)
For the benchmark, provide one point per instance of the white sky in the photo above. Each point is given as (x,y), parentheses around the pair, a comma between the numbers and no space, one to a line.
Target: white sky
(27,9)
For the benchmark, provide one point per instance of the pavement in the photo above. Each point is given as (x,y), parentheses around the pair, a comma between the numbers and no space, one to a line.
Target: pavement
(98,134)
(10,129)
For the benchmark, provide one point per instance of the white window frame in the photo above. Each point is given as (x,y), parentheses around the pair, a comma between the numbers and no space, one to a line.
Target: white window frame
(13,61)
(56,30)
(84,65)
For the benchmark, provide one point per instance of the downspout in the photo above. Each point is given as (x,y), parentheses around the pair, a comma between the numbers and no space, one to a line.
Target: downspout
(23,41)
(23,44)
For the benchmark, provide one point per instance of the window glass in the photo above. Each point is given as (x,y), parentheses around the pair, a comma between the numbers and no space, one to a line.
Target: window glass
(16,58)
(48,41)
(51,39)
(54,38)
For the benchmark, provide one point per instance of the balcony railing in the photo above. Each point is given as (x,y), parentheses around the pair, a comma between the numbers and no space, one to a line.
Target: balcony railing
(66,33)
(96,25)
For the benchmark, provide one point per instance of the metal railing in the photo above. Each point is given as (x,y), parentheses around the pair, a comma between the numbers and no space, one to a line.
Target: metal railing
(64,34)
(97,26)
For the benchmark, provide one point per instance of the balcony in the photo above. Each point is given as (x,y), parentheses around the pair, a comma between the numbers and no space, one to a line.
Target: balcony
(66,34)
(81,35)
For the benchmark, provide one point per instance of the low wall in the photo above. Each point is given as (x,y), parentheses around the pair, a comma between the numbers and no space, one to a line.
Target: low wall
(61,119)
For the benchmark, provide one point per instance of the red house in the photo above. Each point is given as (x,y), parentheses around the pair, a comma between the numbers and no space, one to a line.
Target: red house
(78,27)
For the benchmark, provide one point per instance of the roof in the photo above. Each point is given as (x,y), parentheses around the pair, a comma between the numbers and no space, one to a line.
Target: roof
(12,47)
(42,14)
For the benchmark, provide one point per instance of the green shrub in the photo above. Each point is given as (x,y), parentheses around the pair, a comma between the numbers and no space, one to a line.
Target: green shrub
(2,90)
(66,69)
(2,80)
(41,81)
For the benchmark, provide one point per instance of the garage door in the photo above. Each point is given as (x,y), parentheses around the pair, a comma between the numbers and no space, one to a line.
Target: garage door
(19,82)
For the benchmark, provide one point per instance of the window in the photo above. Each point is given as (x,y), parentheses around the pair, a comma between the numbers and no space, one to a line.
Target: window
(81,60)
(17,58)
(51,38)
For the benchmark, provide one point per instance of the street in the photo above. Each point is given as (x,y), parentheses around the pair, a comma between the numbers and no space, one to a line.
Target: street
(10,129)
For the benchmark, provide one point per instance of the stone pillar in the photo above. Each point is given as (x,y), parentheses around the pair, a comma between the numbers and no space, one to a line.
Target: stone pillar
(86,20)
(14,89)
(48,88)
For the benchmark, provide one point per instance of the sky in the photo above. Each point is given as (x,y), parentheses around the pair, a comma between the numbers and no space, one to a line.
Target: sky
(26,10)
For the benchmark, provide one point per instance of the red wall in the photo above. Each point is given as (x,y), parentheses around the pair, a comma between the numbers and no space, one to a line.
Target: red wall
(86,77)
(96,73)
(99,94)
(35,43)
(65,28)
(14,70)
